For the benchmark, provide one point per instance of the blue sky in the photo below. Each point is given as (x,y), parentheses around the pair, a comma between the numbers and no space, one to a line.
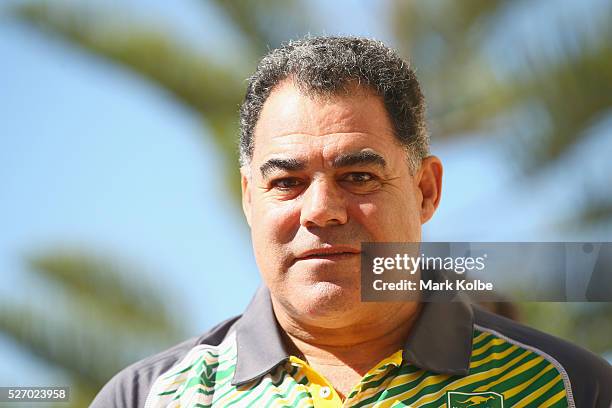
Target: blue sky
(92,156)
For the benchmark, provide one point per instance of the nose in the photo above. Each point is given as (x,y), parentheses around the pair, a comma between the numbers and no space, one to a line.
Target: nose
(323,205)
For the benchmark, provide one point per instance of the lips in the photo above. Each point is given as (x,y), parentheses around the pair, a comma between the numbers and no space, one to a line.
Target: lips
(331,253)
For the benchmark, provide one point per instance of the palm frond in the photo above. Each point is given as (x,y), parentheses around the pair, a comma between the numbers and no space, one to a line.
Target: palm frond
(265,24)
(192,78)
(104,285)
(213,90)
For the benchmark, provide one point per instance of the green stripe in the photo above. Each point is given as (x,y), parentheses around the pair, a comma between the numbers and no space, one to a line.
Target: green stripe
(189,367)
(539,383)
(488,337)
(391,392)
(494,349)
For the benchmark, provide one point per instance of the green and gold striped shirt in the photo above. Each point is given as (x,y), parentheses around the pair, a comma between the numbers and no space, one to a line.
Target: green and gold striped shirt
(456,356)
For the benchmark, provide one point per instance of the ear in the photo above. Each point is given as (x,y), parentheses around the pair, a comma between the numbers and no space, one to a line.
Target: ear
(430,184)
(245,182)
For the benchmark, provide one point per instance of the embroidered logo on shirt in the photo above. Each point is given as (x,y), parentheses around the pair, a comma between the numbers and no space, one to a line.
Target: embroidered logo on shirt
(488,399)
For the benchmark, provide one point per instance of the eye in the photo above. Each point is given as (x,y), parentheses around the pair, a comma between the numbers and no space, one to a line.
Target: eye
(287,183)
(359,177)
(360,182)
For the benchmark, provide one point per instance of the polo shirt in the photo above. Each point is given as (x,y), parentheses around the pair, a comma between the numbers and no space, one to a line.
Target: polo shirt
(456,355)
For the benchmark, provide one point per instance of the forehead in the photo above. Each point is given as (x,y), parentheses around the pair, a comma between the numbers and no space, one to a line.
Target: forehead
(291,122)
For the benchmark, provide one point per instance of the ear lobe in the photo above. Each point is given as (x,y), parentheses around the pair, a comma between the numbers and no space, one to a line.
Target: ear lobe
(245,182)
(430,184)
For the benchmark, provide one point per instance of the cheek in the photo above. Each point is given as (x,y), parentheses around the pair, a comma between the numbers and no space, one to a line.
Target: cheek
(375,219)
(389,219)
(274,224)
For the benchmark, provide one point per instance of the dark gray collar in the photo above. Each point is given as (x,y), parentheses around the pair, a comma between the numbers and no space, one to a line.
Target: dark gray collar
(440,340)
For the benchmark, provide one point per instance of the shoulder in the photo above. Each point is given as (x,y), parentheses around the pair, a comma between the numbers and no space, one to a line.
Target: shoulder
(130,387)
(587,377)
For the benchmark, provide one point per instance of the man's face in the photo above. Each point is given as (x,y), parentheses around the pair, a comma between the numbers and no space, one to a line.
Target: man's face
(327,174)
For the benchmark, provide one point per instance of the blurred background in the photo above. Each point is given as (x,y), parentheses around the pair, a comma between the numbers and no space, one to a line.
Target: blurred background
(120,229)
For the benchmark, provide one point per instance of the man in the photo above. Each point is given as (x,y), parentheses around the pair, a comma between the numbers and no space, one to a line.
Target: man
(334,152)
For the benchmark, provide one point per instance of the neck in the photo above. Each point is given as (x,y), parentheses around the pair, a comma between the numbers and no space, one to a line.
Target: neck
(358,345)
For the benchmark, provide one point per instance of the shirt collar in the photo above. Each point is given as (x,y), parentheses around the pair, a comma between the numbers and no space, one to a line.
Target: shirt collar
(440,340)
(259,342)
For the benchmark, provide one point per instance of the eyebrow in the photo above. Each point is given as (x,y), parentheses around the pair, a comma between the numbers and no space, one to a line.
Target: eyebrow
(344,160)
(280,164)
(359,158)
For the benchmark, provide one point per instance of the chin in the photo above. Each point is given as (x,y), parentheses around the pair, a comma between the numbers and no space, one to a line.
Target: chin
(327,300)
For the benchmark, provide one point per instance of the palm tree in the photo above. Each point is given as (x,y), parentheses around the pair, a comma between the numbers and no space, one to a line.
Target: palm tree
(465,94)
(569,89)
(98,316)
(208,87)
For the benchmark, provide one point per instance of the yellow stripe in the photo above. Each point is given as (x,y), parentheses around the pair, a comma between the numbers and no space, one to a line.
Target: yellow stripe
(554,399)
(494,356)
(533,396)
(400,379)
(305,403)
(480,337)
(494,342)
(395,359)
(290,398)
(465,381)
(435,379)
(519,388)
(518,370)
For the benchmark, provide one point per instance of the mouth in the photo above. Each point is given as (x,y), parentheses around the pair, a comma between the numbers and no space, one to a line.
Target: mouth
(329,253)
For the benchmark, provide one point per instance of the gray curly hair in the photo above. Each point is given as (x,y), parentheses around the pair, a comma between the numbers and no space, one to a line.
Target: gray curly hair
(326,66)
